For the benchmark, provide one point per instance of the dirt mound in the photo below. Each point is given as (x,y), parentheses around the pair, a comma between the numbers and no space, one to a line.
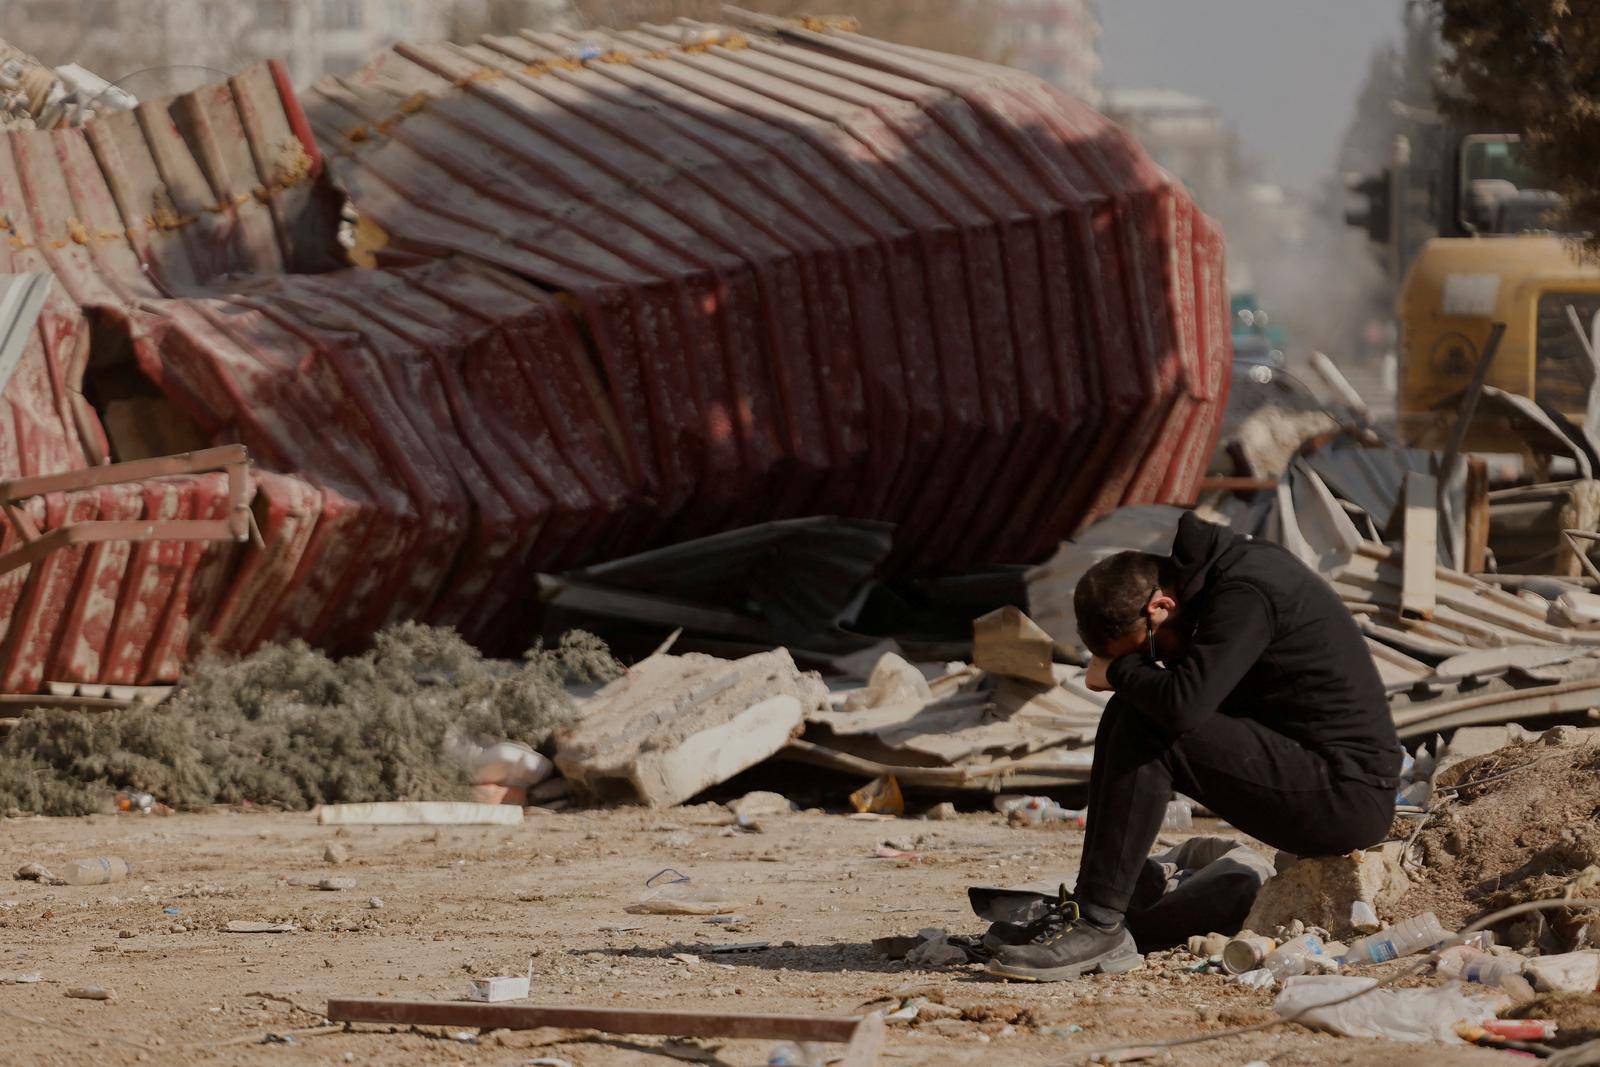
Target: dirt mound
(1516,824)
(289,727)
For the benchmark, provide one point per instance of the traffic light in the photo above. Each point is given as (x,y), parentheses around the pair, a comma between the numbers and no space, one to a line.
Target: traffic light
(1374,218)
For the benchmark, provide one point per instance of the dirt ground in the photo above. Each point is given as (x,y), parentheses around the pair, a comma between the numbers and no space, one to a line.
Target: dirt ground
(457,903)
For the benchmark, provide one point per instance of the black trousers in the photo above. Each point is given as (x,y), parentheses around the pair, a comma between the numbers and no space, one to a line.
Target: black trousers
(1263,783)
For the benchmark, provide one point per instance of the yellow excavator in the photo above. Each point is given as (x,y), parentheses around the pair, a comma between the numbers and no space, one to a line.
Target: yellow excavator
(1499,258)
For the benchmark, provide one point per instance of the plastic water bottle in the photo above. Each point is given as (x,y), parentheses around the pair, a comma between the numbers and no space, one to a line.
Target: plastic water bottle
(789,1054)
(1294,957)
(1402,939)
(1470,965)
(97,871)
(1179,816)
(1042,810)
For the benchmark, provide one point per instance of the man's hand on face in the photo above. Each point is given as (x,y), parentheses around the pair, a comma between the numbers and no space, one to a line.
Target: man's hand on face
(1095,677)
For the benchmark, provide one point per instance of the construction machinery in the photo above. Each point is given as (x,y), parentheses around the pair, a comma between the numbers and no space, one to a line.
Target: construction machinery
(1499,257)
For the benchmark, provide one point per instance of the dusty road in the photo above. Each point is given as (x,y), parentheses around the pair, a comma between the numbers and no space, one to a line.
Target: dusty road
(457,903)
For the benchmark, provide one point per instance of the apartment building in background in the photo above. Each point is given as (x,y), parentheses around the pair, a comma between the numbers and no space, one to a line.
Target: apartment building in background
(1059,40)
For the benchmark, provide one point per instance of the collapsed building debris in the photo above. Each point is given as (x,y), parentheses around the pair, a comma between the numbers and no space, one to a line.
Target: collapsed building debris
(1453,649)
(673,726)
(618,291)
(34,97)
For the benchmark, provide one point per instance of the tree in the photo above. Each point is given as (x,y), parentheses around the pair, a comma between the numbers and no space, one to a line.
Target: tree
(1533,67)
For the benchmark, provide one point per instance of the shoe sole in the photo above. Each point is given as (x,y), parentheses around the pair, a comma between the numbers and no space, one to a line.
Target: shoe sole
(1116,962)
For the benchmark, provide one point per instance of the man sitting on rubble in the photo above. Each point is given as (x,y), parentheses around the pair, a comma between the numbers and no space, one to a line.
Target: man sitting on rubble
(1239,680)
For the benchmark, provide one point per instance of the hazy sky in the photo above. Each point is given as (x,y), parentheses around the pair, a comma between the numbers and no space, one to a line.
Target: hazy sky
(1284,72)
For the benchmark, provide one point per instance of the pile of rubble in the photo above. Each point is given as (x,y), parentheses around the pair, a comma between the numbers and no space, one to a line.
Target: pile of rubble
(35,97)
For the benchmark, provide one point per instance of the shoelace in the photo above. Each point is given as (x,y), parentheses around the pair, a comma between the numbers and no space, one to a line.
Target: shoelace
(1053,924)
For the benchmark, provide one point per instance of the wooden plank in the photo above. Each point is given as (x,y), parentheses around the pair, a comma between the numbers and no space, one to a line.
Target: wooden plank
(1008,643)
(862,1034)
(1420,551)
(1477,518)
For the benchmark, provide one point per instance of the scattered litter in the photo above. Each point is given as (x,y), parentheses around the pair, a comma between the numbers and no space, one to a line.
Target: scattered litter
(722,950)
(30,978)
(889,852)
(501,987)
(1396,1014)
(679,896)
(1246,953)
(1522,1029)
(170,911)
(935,950)
(1402,939)
(1363,918)
(36,872)
(881,796)
(790,1054)
(1470,965)
(100,870)
(244,926)
(91,992)
(132,800)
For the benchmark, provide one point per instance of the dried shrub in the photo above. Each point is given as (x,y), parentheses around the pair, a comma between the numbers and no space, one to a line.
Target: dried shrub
(289,727)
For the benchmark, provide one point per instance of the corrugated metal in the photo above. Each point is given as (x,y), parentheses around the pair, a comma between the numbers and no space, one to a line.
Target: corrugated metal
(683,285)
(821,272)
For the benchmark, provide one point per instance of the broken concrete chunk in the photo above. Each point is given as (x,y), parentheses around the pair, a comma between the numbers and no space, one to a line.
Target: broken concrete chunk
(419,813)
(1568,972)
(755,805)
(894,682)
(335,854)
(1008,643)
(675,725)
(1322,891)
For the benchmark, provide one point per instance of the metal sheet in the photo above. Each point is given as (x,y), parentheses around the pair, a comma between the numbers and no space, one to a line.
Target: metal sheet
(618,302)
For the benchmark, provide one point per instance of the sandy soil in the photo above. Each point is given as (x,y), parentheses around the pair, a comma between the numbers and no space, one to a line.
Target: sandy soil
(468,902)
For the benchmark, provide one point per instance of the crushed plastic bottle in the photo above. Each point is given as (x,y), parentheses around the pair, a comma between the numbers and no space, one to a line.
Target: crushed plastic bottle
(1179,816)
(1297,956)
(1402,939)
(1470,965)
(1034,810)
(789,1054)
(100,870)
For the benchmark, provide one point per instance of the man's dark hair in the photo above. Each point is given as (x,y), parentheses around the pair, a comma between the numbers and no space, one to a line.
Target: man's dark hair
(1111,596)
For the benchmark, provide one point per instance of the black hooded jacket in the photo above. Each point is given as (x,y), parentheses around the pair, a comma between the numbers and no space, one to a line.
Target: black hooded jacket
(1271,642)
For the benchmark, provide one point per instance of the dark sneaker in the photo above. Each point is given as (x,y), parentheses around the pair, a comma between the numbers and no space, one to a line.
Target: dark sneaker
(1001,934)
(1063,946)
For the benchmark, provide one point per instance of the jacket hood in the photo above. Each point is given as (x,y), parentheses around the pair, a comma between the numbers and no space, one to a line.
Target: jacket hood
(1197,550)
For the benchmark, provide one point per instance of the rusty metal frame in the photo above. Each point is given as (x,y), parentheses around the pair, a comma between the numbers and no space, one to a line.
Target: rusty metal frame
(862,1036)
(34,546)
